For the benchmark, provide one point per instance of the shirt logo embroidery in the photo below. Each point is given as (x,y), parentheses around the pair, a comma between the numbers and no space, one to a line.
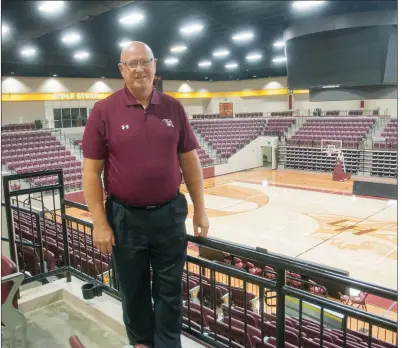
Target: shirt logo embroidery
(168,122)
(124,126)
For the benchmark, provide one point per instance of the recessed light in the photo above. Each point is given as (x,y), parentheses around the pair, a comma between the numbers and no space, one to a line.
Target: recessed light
(124,43)
(81,55)
(331,86)
(171,61)
(306,5)
(279,44)
(221,53)
(28,51)
(178,49)
(244,36)
(231,65)
(279,59)
(51,6)
(71,38)
(131,19)
(204,63)
(253,57)
(191,29)
(5,29)
(54,75)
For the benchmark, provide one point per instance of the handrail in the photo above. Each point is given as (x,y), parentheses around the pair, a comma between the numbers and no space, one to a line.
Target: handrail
(278,260)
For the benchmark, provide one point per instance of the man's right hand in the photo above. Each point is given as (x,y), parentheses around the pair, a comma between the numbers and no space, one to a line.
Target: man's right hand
(103,238)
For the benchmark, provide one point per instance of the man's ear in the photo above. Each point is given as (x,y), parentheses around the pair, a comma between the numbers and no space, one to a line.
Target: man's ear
(121,68)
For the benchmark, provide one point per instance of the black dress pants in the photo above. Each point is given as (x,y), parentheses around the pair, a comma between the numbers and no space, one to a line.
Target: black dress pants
(156,238)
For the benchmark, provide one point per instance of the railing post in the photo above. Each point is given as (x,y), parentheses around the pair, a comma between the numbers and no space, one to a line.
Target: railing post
(10,227)
(280,307)
(64,225)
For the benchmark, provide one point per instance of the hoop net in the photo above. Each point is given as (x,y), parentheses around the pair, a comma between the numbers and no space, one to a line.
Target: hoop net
(331,147)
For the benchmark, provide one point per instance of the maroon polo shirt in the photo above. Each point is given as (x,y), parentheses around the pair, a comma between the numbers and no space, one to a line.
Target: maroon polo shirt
(140,146)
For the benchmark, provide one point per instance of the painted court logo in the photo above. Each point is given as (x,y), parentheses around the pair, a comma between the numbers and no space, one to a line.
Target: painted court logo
(168,122)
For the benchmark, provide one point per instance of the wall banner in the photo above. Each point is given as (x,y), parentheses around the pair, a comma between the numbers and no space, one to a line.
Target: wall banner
(226,109)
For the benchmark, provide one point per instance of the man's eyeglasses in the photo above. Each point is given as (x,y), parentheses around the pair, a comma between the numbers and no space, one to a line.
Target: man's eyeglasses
(132,64)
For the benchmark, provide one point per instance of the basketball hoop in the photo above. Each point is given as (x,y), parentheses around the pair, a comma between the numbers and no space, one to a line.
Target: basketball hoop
(330,150)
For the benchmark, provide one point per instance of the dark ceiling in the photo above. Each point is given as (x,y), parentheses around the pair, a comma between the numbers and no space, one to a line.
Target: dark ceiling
(97,22)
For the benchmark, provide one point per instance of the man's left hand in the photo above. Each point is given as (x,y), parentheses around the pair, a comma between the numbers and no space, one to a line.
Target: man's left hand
(201,224)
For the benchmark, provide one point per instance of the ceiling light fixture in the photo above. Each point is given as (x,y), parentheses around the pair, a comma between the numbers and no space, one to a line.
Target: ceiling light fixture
(171,61)
(132,19)
(253,57)
(5,29)
(279,44)
(331,86)
(220,53)
(124,43)
(51,6)
(28,51)
(306,5)
(244,36)
(81,55)
(54,75)
(231,65)
(191,29)
(71,38)
(178,49)
(279,60)
(204,63)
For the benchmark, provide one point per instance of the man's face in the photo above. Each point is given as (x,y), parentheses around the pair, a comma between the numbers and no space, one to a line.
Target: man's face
(138,70)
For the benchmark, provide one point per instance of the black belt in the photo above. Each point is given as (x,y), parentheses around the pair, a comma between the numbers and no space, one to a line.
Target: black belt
(147,207)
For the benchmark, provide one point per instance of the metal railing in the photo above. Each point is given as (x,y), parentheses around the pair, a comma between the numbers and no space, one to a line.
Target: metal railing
(265,298)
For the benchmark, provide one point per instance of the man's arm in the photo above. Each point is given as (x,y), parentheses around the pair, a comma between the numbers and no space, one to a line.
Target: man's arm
(193,176)
(93,192)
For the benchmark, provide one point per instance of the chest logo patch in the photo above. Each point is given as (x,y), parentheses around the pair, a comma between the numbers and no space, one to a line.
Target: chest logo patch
(125,126)
(168,122)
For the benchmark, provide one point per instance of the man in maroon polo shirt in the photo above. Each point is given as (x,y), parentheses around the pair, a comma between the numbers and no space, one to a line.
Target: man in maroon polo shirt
(141,138)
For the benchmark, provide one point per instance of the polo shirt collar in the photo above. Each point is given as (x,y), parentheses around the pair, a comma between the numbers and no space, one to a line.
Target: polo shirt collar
(129,99)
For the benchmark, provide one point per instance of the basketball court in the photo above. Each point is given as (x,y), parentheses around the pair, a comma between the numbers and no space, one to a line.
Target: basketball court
(303,215)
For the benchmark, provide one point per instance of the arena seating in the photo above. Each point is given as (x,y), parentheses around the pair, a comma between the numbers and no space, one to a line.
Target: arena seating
(351,131)
(206,116)
(229,136)
(218,116)
(30,151)
(390,133)
(200,315)
(313,159)
(205,159)
(385,164)
(17,127)
(281,113)
(249,114)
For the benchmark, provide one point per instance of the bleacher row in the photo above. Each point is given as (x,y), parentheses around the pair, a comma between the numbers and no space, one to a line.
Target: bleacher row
(83,255)
(15,127)
(315,160)
(205,159)
(30,151)
(390,134)
(385,164)
(249,114)
(242,329)
(350,131)
(207,312)
(229,136)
